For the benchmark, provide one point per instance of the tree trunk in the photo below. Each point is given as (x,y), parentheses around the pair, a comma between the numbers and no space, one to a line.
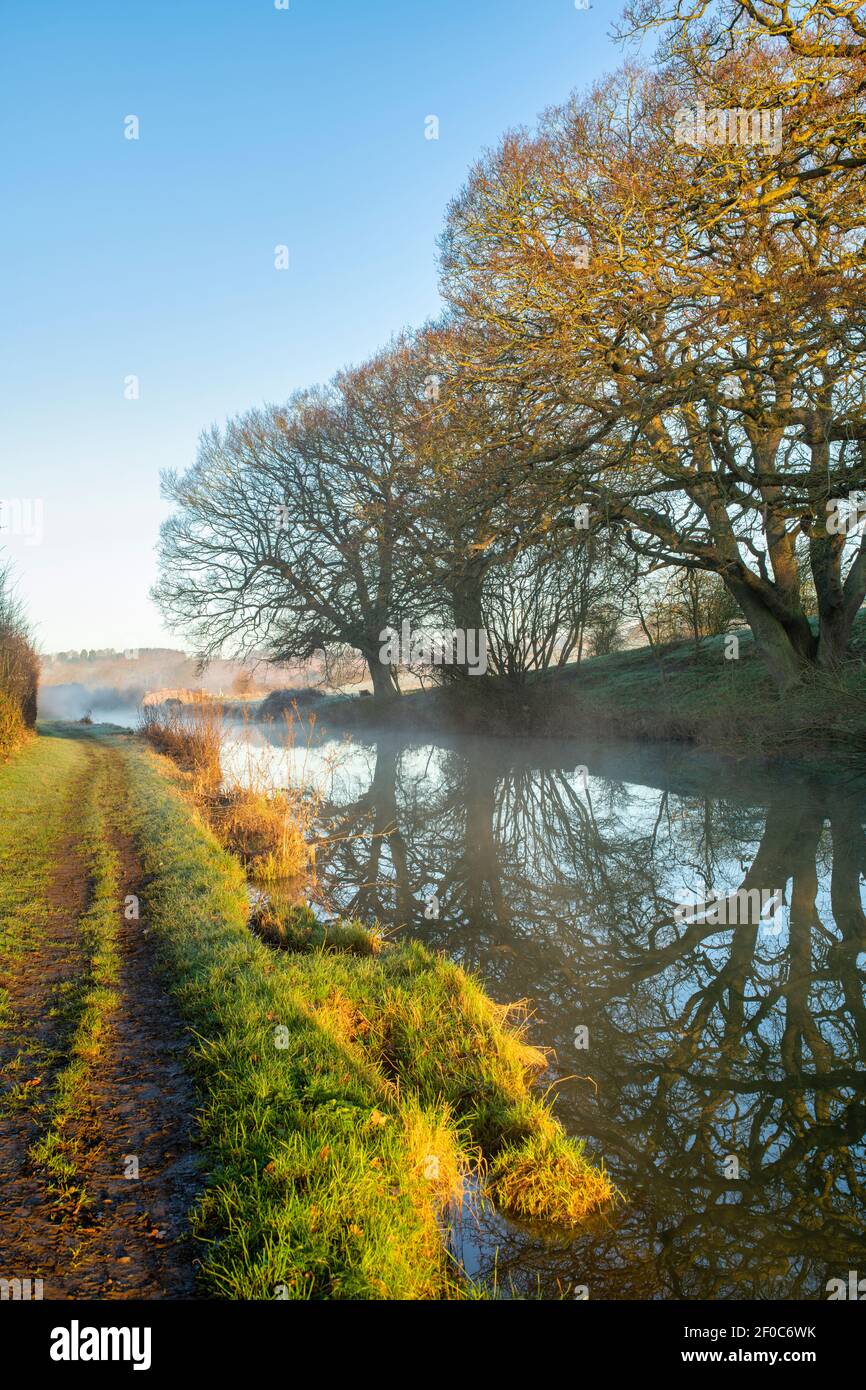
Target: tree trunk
(382,676)
(466,602)
(788,649)
(836,608)
(833,636)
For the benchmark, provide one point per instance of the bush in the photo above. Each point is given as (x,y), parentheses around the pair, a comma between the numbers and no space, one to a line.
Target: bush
(19,670)
(280,703)
(605,636)
(13,730)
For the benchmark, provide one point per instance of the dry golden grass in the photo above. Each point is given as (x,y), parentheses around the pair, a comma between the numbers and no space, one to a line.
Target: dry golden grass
(265,832)
(434,1152)
(266,828)
(191,735)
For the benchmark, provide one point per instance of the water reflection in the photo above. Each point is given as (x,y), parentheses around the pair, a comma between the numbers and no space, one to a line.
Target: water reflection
(722,1080)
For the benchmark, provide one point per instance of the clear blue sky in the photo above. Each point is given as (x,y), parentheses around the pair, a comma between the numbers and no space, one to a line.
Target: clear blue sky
(155,257)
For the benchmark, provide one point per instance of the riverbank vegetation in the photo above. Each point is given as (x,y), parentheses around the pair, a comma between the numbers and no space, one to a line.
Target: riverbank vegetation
(344,1095)
(19,670)
(668,692)
(265,826)
(420,1025)
(348,1094)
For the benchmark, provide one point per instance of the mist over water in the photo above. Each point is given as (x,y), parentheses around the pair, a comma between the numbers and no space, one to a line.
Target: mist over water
(106,704)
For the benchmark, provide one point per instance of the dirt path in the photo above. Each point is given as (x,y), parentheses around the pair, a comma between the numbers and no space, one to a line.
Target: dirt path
(131,1130)
(35,978)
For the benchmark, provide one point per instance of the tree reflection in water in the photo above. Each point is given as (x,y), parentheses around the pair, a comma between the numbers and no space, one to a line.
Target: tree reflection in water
(706,1044)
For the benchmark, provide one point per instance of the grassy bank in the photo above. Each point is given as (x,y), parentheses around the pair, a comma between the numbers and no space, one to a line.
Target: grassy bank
(344,1096)
(698,696)
(345,1087)
(38,792)
(671,692)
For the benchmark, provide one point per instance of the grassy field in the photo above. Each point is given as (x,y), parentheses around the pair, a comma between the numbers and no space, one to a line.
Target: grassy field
(700,696)
(343,1089)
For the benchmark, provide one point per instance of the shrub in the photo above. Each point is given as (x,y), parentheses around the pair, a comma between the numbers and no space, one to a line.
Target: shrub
(13,730)
(19,669)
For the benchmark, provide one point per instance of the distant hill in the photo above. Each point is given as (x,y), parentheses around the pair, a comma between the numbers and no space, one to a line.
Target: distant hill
(133,673)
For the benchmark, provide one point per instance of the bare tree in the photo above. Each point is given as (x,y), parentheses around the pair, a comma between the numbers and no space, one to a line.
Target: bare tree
(539,608)
(292,528)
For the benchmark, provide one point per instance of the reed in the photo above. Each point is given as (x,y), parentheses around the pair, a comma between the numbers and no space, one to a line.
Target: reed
(191,735)
(267,827)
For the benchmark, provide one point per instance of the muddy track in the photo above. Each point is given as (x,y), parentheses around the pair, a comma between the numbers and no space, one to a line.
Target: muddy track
(35,979)
(31,1051)
(132,1131)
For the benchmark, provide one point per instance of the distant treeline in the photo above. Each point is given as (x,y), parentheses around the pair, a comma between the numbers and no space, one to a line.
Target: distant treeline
(139,669)
(93,654)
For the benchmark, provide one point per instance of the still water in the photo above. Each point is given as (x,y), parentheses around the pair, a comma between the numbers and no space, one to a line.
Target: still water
(718,1070)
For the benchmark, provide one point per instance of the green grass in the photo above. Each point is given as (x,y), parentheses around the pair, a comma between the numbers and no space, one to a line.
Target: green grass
(343,1094)
(37,796)
(91,999)
(346,1085)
